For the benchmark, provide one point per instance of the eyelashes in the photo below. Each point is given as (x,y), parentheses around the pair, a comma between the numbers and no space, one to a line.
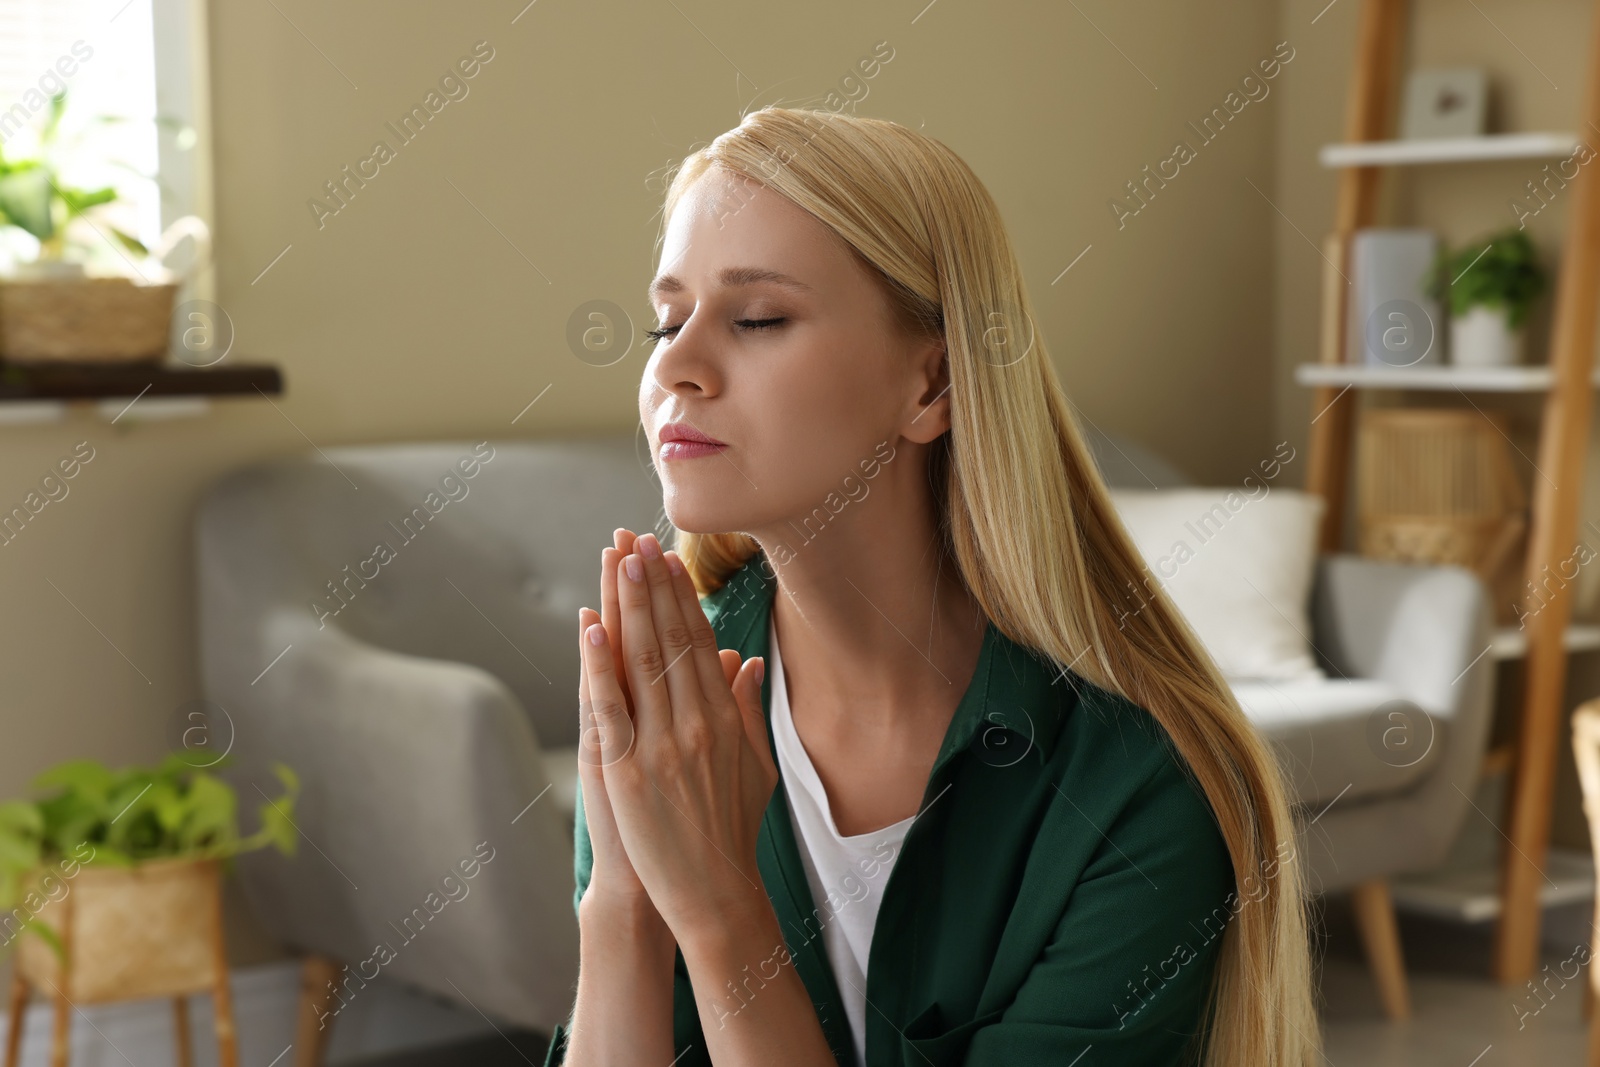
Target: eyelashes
(746,324)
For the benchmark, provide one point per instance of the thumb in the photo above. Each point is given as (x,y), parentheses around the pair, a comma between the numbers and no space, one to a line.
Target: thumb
(747,693)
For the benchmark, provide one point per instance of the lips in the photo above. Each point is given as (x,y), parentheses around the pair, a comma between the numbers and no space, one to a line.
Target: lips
(679,440)
(682,431)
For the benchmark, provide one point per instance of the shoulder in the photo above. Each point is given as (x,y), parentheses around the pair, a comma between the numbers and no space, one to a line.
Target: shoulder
(1118,761)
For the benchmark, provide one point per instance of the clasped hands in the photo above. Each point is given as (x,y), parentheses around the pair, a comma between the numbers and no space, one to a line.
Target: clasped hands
(674,761)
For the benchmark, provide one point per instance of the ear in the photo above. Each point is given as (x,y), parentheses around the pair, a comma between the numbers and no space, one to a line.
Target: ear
(930,410)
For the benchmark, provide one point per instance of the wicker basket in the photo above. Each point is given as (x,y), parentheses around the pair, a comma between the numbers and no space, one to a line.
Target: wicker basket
(149,930)
(85,320)
(1437,485)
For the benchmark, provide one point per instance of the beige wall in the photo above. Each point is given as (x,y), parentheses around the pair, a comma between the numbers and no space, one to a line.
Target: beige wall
(410,315)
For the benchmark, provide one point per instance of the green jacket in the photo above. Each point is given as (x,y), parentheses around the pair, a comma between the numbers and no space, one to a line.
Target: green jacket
(1062,893)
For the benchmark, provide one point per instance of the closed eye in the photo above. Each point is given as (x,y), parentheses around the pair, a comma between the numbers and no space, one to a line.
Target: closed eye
(746,324)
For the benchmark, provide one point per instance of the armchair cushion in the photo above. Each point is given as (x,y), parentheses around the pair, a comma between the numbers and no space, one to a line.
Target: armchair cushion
(1239,566)
(1343,738)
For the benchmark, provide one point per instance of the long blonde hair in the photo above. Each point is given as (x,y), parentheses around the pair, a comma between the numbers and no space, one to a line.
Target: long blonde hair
(1027,519)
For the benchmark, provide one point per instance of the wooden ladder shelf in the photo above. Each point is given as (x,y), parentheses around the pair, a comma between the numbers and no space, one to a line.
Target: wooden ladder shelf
(1563,440)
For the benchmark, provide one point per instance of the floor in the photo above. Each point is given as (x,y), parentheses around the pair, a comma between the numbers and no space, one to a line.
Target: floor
(1460,1018)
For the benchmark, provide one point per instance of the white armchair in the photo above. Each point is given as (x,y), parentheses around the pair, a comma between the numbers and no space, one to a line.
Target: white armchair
(1403,649)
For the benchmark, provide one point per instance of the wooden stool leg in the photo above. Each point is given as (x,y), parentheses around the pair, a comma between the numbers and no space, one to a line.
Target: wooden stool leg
(311,1037)
(1380,936)
(180,1026)
(1593,1059)
(221,991)
(60,1051)
(16,1013)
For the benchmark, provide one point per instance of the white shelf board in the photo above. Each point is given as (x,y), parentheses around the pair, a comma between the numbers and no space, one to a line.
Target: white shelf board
(1511,642)
(1528,378)
(152,409)
(1449,149)
(1471,893)
(32,412)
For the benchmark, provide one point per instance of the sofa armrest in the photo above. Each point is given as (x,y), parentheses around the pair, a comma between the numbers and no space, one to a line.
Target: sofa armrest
(1423,628)
(412,767)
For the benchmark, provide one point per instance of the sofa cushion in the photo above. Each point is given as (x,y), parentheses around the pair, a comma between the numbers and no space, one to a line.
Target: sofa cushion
(1350,736)
(1238,564)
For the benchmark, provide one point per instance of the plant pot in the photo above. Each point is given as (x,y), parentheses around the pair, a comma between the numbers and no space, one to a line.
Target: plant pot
(1482,338)
(85,320)
(154,929)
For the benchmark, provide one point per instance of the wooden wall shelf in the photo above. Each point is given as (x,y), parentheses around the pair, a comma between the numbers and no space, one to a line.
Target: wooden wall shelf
(95,381)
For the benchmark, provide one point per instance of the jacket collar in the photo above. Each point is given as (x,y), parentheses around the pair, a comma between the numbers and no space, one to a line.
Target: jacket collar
(1012,709)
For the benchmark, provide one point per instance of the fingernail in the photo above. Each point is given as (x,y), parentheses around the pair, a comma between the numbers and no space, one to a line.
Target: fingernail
(761,671)
(674,564)
(597,635)
(634,568)
(649,546)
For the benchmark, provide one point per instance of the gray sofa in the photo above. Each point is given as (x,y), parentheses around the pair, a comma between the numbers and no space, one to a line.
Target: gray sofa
(426,696)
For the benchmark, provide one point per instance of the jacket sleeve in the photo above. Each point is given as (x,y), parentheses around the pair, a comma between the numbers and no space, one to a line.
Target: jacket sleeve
(1126,972)
(582,867)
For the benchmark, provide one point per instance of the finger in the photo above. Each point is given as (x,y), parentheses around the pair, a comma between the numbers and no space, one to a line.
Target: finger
(703,637)
(608,711)
(731,662)
(642,655)
(611,614)
(685,670)
(591,753)
(747,694)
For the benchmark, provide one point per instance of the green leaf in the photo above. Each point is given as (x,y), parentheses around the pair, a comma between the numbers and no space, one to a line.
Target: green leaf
(18,853)
(212,823)
(80,200)
(80,775)
(25,201)
(21,817)
(111,856)
(52,122)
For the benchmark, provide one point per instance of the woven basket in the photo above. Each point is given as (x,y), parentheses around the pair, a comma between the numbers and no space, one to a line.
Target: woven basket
(1437,485)
(142,931)
(85,320)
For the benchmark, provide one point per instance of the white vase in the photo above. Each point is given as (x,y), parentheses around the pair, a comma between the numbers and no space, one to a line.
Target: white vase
(1482,338)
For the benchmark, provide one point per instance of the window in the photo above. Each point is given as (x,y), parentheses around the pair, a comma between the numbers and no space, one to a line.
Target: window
(132,59)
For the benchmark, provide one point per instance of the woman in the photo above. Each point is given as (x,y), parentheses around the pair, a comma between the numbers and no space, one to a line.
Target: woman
(1024,796)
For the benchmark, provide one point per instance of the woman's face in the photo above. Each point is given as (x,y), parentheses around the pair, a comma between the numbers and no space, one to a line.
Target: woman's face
(782,347)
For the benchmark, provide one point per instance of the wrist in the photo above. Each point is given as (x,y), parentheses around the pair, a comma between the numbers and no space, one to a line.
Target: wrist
(626,918)
(733,929)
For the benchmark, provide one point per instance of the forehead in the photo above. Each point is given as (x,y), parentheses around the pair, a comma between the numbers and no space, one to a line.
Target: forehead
(732,230)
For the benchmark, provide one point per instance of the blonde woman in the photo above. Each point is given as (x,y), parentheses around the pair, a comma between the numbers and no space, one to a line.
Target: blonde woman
(895,759)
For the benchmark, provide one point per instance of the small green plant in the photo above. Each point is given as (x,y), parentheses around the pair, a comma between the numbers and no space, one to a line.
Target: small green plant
(121,818)
(1505,275)
(34,198)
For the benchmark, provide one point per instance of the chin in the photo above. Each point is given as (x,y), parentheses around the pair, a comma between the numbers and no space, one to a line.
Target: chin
(699,513)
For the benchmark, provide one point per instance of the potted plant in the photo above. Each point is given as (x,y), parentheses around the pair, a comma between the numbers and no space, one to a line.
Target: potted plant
(118,874)
(51,307)
(1489,292)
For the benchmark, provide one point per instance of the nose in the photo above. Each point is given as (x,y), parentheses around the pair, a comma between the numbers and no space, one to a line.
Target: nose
(686,364)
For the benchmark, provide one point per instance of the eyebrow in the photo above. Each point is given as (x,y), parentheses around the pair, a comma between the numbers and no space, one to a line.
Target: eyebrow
(730,277)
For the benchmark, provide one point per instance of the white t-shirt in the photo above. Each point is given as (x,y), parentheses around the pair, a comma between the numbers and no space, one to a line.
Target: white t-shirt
(847,874)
